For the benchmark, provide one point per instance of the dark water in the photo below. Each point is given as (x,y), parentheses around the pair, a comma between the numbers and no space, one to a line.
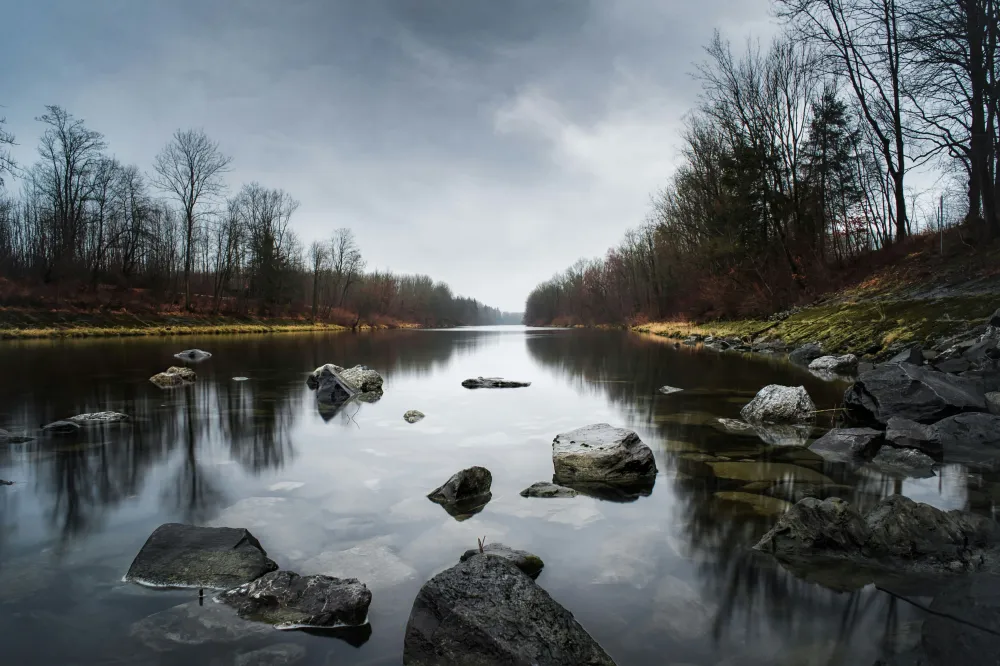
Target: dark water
(665,579)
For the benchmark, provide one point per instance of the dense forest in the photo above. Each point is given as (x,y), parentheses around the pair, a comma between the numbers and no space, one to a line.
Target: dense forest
(806,156)
(84,222)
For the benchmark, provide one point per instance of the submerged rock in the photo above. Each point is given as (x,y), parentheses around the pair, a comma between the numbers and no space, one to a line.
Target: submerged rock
(767,471)
(780,404)
(193,355)
(219,558)
(806,354)
(493,382)
(465,493)
(61,428)
(601,453)
(193,624)
(413,416)
(667,390)
(839,365)
(99,417)
(546,489)
(288,600)
(897,533)
(763,505)
(907,391)
(7,437)
(485,611)
(283,654)
(527,562)
(848,445)
(174,376)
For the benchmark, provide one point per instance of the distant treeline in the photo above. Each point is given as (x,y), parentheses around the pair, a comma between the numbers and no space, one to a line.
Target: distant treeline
(83,220)
(798,162)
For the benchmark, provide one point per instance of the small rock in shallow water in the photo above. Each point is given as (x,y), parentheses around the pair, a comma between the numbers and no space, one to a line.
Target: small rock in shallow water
(781,405)
(806,354)
(493,382)
(667,390)
(240,379)
(218,558)
(174,376)
(287,600)
(465,493)
(6,483)
(193,355)
(527,562)
(99,417)
(413,416)
(546,489)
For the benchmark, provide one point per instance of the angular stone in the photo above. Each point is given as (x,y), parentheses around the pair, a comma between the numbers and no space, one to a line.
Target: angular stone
(913,355)
(363,378)
(993,402)
(546,489)
(527,562)
(907,391)
(601,453)
(971,439)
(287,600)
(850,445)
(904,433)
(493,382)
(465,493)
(953,366)
(780,404)
(486,611)
(219,558)
(904,462)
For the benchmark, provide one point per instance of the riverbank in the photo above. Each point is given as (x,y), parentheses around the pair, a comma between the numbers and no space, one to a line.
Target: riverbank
(26,323)
(924,299)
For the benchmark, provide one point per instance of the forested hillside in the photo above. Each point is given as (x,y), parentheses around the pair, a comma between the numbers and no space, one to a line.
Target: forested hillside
(80,228)
(863,123)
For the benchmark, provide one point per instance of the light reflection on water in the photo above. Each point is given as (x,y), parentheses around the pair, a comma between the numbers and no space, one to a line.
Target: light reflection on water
(668,574)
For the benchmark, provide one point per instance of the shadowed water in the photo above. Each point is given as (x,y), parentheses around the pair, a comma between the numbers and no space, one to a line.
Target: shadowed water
(666,578)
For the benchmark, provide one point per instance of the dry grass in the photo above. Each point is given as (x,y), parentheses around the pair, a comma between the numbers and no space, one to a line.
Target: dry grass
(152,330)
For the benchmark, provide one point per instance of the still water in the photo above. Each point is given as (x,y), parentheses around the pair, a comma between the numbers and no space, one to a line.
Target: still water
(664,579)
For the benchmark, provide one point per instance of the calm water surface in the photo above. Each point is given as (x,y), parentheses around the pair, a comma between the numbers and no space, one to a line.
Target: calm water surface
(664,579)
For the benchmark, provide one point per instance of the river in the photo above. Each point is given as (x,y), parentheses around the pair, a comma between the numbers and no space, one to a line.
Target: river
(665,579)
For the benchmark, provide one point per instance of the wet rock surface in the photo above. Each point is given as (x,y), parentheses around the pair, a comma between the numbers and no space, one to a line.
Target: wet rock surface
(546,489)
(849,445)
(177,555)
(838,365)
(173,377)
(779,405)
(907,391)
(971,439)
(485,611)
(493,382)
(601,453)
(465,493)
(901,462)
(288,600)
(527,562)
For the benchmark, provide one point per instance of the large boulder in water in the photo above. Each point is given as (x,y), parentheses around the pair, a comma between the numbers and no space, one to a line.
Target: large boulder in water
(780,404)
(601,453)
(219,558)
(493,382)
(193,355)
(288,600)
(848,444)
(485,611)
(897,533)
(908,391)
(465,493)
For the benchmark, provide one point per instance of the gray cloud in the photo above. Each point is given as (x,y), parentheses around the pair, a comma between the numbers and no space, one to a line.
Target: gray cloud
(487,144)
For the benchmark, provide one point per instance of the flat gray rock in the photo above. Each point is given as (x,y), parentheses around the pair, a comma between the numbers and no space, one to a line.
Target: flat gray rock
(781,405)
(218,558)
(98,417)
(849,445)
(493,382)
(601,453)
(527,562)
(546,489)
(970,439)
(486,612)
(288,600)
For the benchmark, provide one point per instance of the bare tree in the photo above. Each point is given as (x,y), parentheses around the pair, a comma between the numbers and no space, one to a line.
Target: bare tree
(190,168)
(345,262)
(318,257)
(862,41)
(7,164)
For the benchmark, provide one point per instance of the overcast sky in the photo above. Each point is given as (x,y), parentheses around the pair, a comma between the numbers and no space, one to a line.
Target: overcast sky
(486,143)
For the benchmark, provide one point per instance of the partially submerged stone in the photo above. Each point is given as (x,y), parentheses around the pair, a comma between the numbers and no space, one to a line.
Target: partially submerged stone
(193,624)
(601,453)
(193,355)
(219,558)
(465,493)
(486,611)
(667,390)
(174,376)
(850,445)
(493,382)
(527,562)
(839,365)
(288,601)
(412,416)
(61,428)
(780,404)
(805,354)
(7,437)
(907,391)
(99,417)
(359,379)
(546,489)
(908,463)
(364,378)
(897,533)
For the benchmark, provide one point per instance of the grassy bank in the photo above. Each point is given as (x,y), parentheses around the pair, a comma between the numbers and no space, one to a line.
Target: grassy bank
(853,325)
